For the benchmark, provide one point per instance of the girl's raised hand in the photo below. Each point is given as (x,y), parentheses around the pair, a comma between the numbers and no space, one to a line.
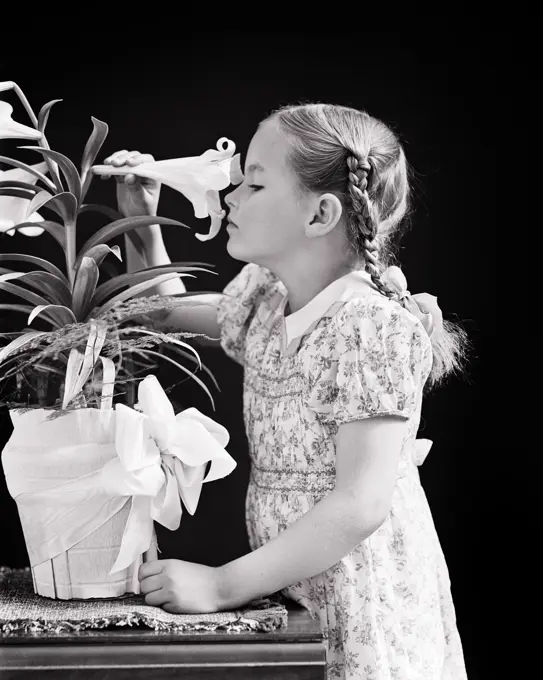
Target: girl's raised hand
(135,195)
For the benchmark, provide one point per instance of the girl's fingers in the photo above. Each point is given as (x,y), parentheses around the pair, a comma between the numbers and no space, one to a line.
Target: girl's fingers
(124,157)
(151,584)
(134,160)
(114,160)
(140,158)
(120,158)
(150,568)
(157,598)
(114,156)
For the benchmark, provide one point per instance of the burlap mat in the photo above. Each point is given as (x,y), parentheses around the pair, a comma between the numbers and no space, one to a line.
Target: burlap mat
(22,611)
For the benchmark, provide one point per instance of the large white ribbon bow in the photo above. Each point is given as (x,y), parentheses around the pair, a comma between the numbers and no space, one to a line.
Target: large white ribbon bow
(423,305)
(162,459)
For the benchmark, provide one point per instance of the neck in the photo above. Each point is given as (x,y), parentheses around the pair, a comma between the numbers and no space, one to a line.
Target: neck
(306,280)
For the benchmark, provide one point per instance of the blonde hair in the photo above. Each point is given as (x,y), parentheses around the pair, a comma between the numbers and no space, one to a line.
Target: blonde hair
(347,152)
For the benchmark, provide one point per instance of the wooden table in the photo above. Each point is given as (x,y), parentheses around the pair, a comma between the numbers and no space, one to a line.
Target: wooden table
(296,653)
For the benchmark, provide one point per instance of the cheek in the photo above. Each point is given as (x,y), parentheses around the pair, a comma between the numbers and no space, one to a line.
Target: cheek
(271,215)
(270,224)
(257,208)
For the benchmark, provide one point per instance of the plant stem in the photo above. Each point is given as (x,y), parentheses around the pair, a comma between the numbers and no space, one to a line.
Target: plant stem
(43,141)
(70,251)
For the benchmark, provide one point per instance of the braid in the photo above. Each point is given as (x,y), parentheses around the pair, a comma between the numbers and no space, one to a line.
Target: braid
(363,221)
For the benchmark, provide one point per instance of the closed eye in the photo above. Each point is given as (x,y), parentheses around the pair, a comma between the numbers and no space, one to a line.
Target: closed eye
(255,187)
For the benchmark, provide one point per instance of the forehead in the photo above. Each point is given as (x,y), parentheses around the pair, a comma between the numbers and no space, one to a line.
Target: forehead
(267,150)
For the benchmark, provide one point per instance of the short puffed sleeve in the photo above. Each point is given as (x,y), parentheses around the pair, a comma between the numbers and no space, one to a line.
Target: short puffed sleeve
(384,357)
(238,305)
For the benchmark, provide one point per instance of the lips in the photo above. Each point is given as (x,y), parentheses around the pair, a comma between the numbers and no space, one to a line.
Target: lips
(232,224)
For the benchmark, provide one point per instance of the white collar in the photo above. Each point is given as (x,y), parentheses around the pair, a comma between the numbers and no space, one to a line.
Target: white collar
(325,303)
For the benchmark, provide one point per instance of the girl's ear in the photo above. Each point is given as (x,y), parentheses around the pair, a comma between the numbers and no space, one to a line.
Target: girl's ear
(326,214)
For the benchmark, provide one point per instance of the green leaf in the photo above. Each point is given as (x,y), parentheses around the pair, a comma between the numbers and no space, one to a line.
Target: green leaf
(34,299)
(203,367)
(64,204)
(67,204)
(28,168)
(60,209)
(43,115)
(174,341)
(52,369)
(54,288)
(68,168)
(80,366)
(39,200)
(10,367)
(93,146)
(176,345)
(56,230)
(32,259)
(26,309)
(180,367)
(86,279)
(18,343)
(114,229)
(20,185)
(104,209)
(136,240)
(62,311)
(18,193)
(98,253)
(131,292)
(108,270)
(132,278)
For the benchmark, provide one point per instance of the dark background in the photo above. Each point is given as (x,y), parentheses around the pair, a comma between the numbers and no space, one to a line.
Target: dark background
(176,98)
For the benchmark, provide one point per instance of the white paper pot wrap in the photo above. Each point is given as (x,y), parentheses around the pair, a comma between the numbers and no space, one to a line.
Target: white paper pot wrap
(89,485)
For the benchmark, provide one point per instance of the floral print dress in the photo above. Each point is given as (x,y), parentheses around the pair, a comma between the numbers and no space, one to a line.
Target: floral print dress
(386,608)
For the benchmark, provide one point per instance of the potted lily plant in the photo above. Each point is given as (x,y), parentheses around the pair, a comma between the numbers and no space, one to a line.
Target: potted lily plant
(91,462)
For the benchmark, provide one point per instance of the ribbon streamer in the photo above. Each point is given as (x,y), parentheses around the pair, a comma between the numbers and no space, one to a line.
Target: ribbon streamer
(419,449)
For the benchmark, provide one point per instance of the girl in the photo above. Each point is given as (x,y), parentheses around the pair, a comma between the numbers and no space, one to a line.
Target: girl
(336,354)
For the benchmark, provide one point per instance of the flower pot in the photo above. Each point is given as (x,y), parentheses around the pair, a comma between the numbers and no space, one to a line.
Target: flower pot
(89,484)
(73,534)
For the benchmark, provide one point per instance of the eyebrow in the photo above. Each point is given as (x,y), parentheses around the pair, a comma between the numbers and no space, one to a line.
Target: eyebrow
(255,166)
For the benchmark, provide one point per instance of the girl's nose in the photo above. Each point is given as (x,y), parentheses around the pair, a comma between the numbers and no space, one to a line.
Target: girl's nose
(230,199)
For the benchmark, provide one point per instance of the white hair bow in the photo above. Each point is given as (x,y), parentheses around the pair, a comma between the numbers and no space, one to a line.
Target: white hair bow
(422,305)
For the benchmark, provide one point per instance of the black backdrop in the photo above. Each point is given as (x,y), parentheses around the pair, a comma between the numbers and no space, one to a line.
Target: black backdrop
(175,98)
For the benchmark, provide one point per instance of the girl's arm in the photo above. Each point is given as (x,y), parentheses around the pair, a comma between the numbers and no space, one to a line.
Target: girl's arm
(366,464)
(140,196)
(200,316)
(154,254)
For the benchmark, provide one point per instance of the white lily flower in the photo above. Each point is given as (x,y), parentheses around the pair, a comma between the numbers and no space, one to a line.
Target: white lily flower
(13,209)
(198,178)
(11,129)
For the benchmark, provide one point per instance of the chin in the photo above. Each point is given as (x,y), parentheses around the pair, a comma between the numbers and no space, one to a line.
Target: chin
(238,250)
(235,251)
(244,256)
